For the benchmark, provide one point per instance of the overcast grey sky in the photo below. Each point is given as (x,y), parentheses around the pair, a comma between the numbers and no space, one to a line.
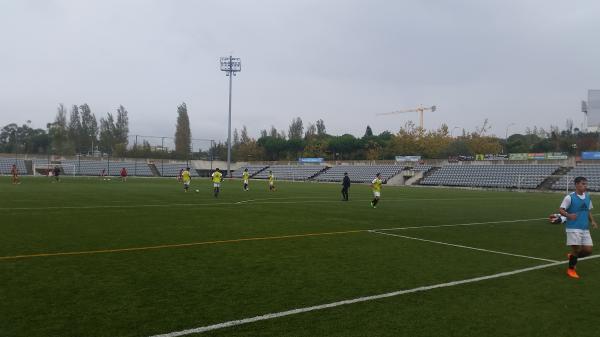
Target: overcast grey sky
(527,62)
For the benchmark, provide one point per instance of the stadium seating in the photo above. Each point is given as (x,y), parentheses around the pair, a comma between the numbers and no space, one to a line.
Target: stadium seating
(422,168)
(291,172)
(590,171)
(7,163)
(113,168)
(172,169)
(501,176)
(252,169)
(360,173)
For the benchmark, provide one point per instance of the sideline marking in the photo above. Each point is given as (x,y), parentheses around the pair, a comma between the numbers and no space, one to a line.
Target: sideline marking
(177,245)
(265,317)
(462,246)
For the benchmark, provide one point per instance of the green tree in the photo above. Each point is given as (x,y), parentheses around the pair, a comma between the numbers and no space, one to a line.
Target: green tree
(107,134)
(58,132)
(311,131)
(344,145)
(321,131)
(122,126)
(183,134)
(296,129)
(89,128)
(75,131)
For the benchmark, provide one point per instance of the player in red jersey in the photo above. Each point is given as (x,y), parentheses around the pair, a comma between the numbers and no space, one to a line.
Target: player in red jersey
(15,175)
(123,174)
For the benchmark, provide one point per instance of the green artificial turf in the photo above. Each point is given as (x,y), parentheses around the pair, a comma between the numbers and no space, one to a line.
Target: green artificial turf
(250,255)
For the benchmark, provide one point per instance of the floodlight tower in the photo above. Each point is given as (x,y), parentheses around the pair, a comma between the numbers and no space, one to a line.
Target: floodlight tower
(230,65)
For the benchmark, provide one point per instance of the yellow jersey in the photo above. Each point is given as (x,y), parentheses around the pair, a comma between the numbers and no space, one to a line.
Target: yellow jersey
(217,177)
(246,175)
(271,178)
(186,176)
(377,184)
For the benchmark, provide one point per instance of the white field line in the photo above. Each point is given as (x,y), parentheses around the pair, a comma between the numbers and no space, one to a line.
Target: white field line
(237,203)
(172,245)
(265,317)
(462,246)
(459,224)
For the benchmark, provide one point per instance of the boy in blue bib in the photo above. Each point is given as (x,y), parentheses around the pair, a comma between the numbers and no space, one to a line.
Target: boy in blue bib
(576,207)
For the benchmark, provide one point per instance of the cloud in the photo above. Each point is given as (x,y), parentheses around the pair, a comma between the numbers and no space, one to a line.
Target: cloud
(528,62)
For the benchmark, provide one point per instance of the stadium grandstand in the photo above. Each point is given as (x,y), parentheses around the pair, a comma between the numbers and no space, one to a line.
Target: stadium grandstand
(590,171)
(291,172)
(498,176)
(421,168)
(360,173)
(252,170)
(7,163)
(111,168)
(173,169)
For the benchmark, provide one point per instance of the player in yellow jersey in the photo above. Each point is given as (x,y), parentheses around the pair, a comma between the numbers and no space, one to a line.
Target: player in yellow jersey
(246,178)
(271,181)
(186,177)
(376,186)
(217,178)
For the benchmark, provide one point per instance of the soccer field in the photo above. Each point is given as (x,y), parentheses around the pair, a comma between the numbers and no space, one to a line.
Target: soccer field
(86,257)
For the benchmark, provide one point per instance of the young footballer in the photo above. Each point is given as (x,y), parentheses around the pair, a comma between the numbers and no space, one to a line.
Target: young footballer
(246,178)
(124,174)
(15,175)
(186,177)
(376,186)
(56,173)
(576,208)
(345,186)
(217,177)
(271,181)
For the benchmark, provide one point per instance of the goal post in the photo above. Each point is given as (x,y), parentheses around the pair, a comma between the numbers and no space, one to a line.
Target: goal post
(47,170)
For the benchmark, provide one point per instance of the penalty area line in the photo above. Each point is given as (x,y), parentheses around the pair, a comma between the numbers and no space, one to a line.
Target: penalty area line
(462,246)
(265,317)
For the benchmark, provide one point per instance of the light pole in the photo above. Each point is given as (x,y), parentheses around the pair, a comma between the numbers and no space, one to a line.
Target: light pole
(230,66)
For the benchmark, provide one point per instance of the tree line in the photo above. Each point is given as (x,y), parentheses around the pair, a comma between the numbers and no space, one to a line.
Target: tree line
(80,132)
(313,141)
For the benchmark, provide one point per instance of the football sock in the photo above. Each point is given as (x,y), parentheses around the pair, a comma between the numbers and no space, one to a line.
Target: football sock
(572,261)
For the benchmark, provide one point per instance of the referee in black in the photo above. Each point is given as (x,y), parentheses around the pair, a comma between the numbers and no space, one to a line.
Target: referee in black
(345,186)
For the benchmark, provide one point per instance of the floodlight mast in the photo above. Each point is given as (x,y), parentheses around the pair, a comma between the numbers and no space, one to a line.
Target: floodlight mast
(230,65)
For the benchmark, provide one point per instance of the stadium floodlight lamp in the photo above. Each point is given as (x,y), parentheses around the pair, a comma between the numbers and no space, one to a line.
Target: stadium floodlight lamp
(230,65)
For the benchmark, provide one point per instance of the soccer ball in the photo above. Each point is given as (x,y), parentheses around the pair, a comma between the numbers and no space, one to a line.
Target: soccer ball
(197,191)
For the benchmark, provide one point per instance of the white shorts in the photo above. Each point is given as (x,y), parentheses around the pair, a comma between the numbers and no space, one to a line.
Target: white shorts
(217,185)
(376,194)
(271,183)
(245,181)
(186,183)
(579,237)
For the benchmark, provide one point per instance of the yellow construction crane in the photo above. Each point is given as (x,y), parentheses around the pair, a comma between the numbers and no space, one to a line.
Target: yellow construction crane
(420,110)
